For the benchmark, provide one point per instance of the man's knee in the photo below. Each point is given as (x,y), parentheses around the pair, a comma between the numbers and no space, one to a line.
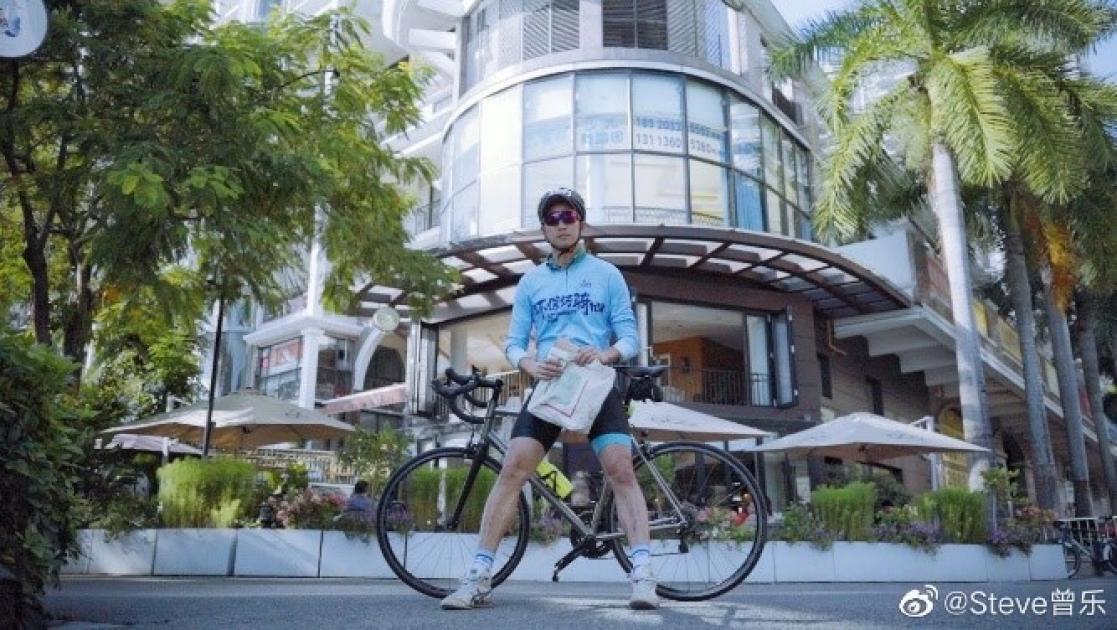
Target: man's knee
(618,466)
(521,460)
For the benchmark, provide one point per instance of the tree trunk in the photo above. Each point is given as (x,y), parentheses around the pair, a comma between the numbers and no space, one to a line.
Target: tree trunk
(36,260)
(1088,350)
(1068,396)
(1020,290)
(80,323)
(947,202)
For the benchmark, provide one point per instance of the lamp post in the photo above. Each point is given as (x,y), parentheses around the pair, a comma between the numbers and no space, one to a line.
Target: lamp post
(213,374)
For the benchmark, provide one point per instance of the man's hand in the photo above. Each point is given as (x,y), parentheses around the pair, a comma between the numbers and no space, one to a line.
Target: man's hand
(541,370)
(587,355)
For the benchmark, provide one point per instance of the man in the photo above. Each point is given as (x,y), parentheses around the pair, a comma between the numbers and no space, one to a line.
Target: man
(584,299)
(359,506)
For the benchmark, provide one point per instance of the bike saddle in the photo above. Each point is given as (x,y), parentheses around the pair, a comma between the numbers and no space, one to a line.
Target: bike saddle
(643,372)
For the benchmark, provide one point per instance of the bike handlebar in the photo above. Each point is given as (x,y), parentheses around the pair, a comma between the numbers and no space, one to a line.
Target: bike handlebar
(464,388)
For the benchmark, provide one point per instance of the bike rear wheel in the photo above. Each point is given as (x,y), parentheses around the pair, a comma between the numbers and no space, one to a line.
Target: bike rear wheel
(418,544)
(725,529)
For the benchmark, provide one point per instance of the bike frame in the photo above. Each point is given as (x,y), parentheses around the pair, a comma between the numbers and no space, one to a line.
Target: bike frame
(488,440)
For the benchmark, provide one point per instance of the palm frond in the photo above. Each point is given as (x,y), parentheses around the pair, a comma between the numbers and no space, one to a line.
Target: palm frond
(969,114)
(857,144)
(826,38)
(1067,26)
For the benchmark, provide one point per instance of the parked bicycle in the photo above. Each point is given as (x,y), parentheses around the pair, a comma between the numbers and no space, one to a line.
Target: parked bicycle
(705,508)
(1100,545)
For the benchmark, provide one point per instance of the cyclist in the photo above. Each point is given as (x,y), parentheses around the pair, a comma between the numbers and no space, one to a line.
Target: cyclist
(584,299)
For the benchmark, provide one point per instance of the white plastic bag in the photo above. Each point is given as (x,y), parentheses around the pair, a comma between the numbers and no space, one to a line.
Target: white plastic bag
(573,400)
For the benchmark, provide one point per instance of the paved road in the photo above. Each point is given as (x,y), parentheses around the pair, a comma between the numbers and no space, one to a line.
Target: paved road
(88,603)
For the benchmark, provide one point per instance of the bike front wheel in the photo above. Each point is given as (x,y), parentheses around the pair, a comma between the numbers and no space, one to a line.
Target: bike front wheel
(1072,558)
(724,526)
(426,551)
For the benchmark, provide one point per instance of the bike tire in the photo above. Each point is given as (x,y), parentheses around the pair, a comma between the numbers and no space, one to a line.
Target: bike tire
(1073,559)
(406,518)
(718,465)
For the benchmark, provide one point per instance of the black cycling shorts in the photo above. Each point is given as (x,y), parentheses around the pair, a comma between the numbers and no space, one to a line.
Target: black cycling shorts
(611,419)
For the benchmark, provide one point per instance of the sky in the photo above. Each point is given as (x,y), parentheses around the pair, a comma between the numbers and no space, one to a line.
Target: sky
(1103,62)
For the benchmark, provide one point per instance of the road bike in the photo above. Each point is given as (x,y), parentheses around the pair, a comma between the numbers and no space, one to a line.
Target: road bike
(706,512)
(1097,541)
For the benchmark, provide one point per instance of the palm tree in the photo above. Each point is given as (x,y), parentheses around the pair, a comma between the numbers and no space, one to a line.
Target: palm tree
(966,63)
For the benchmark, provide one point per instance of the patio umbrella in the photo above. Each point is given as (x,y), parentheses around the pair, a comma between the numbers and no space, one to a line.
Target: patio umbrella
(659,421)
(863,436)
(242,420)
(148,443)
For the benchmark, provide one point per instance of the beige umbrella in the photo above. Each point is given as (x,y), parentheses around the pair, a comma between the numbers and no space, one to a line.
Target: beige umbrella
(659,421)
(149,443)
(242,420)
(863,436)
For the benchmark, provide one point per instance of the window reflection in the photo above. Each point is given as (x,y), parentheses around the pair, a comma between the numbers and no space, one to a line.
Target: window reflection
(605,182)
(706,130)
(540,177)
(466,150)
(501,128)
(750,208)
(601,109)
(547,110)
(660,189)
(745,123)
(708,195)
(464,214)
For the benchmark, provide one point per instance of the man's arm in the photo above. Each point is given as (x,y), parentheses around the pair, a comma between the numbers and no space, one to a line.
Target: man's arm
(519,329)
(622,319)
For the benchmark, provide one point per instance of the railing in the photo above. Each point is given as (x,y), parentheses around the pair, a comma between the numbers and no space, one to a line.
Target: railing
(998,335)
(321,466)
(717,387)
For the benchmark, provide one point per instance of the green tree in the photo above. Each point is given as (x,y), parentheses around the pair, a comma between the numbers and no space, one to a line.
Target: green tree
(979,78)
(140,142)
(374,455)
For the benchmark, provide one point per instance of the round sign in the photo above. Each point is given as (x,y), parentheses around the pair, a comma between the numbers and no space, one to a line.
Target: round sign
(23,27)
(386,318)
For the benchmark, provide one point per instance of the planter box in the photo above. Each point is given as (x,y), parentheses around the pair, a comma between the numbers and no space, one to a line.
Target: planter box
(195,552)
(1047,563)
(352,557)
(278,552)
(80,564)
(132,553)
(881,562)
(801,562)
(1012,568)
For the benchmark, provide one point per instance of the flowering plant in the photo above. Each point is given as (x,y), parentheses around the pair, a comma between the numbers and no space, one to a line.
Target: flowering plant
(719,523)
(902,525)
(310,510)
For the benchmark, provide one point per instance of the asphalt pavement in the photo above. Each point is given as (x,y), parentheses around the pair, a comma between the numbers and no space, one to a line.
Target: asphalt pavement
(96,603)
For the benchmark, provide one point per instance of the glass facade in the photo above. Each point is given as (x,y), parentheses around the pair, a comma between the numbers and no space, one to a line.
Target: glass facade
(277,369)
(641,146)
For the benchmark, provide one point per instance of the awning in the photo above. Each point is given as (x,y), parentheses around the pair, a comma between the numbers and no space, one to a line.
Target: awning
(835,284)
(369,399)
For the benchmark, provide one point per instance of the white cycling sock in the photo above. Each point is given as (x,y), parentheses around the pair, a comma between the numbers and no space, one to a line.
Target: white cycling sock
(482,561)
(640,555)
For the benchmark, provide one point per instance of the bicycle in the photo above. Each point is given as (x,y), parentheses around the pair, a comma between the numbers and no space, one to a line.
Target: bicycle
(697,495)
(1102,551)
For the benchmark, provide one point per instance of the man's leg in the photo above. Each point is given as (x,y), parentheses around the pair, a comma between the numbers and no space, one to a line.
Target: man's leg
(614,450)
(524,454)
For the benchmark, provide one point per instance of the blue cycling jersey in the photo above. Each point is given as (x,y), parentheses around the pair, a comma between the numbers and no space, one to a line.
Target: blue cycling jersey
(586,301)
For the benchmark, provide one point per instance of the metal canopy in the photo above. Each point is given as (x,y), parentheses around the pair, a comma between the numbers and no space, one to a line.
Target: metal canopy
(838,286)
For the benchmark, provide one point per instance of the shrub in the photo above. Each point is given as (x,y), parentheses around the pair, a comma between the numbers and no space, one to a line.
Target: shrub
(799,525)
(890,491)
(846,513)
(206,493)
(959,513)
(373,456)
(40,456)
(902,525)
(474,506)
(125,513)
(422,498)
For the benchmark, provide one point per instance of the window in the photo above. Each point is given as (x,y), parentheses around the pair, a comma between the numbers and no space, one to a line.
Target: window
(467,138)
(547,124)
(464,214)
(706,129)
(783,350)
(709,197)
(660,189)
(634,23)
(773,166)
(705,351)
(500,127)
(657,113)
(335,370)
(540,177)
(501,33)
(605,182)
(876,395)
(760,360)
(750,207)
(825,378)
(745,128)
(278,368)
(774,210)
(601,112)
(475,343)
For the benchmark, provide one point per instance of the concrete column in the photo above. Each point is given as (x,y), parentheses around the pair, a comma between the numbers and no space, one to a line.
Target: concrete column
(308,375)
(459,350)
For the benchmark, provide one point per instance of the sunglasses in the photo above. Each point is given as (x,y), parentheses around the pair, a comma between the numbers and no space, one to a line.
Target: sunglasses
(566,217)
